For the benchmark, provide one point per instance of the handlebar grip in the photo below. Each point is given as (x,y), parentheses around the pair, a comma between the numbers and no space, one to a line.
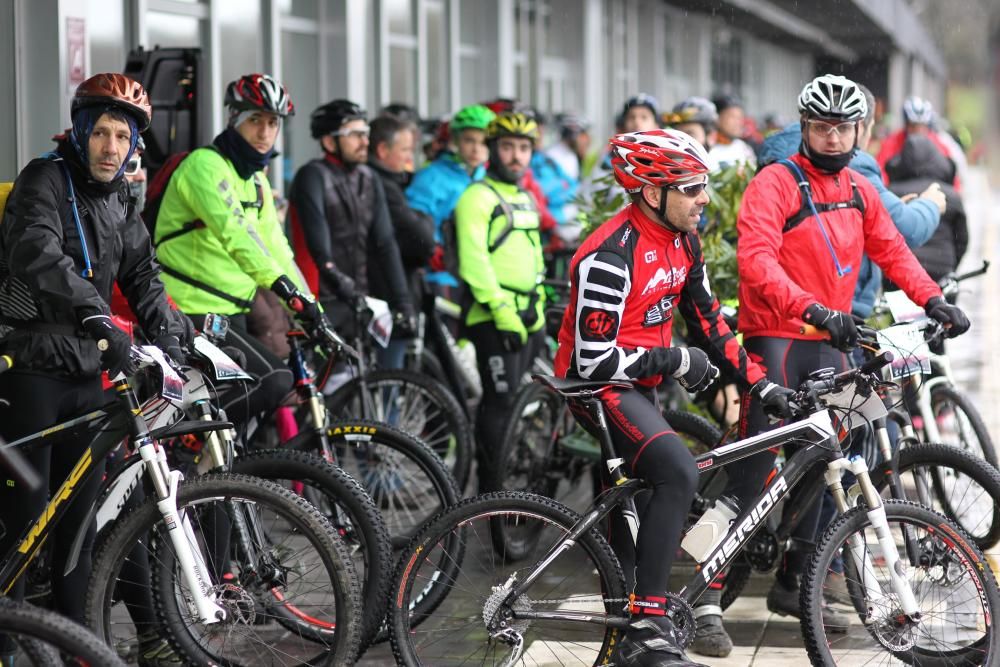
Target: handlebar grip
(6,361)
(972,274)
(812,330)
(883,358)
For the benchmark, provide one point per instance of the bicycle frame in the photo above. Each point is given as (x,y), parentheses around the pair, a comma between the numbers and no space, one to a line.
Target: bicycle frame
(821,445)
(114,423)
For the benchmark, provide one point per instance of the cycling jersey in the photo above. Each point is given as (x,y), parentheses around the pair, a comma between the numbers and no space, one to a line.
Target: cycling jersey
(240,248)
(627,279)
(510,273)
(781,274)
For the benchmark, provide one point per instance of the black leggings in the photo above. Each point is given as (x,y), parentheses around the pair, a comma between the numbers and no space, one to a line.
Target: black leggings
(787,362)
(29,403)
(502,373)
(652,452)
(274,378)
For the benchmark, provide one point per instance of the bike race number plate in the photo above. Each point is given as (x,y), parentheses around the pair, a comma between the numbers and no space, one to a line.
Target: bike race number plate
(223,366)
(853,409)
(911,354)
(380,326)
(172,388)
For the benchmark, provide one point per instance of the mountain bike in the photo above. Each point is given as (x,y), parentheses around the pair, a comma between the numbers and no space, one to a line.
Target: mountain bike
(283,557)
(923,592)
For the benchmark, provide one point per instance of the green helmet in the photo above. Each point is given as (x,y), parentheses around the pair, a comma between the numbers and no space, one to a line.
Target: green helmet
(474,116)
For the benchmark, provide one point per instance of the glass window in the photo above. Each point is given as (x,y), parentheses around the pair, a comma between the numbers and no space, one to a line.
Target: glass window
(473,82)
(401,17)
(307,9)
(239,21)
(727,62)
(173,30)
(473,19)
(437,62)
(402,74)
(300,61)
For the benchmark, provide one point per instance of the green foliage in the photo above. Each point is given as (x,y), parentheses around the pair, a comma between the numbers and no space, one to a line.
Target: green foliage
(718,238)
(603,201)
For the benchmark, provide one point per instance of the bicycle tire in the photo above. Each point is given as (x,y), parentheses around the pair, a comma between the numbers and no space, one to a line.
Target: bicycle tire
(699,434)
(363,526)
(937,533)
(26,624)
(144,525)
(937,457)
(961,402)
(434,415)
(462,519)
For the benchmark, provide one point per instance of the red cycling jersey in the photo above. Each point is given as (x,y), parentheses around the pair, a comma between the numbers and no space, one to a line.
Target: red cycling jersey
(783,273)
(627,278)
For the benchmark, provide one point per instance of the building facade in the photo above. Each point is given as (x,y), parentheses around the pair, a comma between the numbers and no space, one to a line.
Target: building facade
(585,56)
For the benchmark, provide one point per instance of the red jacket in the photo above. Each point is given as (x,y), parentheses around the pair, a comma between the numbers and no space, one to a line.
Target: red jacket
(782,273)
(628,278)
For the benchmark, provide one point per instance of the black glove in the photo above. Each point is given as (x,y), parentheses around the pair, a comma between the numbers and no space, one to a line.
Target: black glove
(840,325)
(404,321)
(303,306)
(184,328)
(775,399)
(343,285)
(117,353)
(172,346)
(952,317)
(692,368)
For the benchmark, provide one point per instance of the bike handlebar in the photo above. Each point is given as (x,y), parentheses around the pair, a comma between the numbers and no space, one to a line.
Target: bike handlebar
(811,390)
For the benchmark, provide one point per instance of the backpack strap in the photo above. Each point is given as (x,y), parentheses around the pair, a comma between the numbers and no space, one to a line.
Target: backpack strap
(508,212)
(205,287)
(88,271)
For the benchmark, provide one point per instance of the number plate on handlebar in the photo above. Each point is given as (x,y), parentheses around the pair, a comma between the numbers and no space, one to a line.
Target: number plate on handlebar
(856,410)
(911,354)
(172,387)
(223,366)
(380,326)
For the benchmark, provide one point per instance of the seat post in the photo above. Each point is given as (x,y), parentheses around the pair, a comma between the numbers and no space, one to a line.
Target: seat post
(594,406)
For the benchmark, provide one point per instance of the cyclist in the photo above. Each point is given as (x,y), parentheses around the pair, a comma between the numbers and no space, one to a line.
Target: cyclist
(389,153)
(729,147)
(573,146)
(69,233)
(916,220)
(628,278)
(918,119)
(798,259)
(696,116)
(500,260)
(218,215)
(340,218)
(436,188)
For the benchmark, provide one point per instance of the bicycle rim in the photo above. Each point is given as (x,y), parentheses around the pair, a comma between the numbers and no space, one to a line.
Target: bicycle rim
(955,591)
(583,578)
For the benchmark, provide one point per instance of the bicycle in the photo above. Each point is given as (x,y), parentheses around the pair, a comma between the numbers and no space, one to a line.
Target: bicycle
(940,411)
(567,597)
(414,403)
(185,581)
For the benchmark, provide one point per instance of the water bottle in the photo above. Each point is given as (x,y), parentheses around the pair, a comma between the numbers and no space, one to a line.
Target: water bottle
(713,525)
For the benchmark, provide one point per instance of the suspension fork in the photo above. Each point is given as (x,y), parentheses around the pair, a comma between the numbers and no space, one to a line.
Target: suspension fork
(305,388)
(857,549)
(895,485)
(194,570)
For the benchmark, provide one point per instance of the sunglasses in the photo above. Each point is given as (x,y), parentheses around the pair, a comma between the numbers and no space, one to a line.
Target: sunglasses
(356,133)
(691,189)
(824,129)
(133,166)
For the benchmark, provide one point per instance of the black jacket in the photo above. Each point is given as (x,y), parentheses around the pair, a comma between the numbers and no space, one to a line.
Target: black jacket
(919,164)
(414,232)
(344,219)
(43,292)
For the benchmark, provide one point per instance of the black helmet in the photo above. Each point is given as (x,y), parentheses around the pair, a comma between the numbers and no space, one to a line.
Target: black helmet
(329,118)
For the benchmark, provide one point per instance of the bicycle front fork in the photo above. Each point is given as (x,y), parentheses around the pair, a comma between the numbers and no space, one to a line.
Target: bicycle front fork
(858,549)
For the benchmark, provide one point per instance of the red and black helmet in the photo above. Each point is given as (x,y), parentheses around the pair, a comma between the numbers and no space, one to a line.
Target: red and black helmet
(656,157)
(117,90)
(259,92)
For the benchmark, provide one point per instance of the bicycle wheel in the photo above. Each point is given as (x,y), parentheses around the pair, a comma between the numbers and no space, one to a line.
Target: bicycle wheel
(585,577)
(343,501)
(955,591)
(416,404)
(963,487)
(288,586)
(45,638)
(960,424)
(699,434)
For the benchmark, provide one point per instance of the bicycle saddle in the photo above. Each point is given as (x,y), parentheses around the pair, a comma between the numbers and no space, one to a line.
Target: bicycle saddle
(574,386)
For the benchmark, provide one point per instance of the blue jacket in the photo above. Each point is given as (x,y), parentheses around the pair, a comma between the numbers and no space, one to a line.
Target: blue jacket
(435,190)
(916,221)
(557,186)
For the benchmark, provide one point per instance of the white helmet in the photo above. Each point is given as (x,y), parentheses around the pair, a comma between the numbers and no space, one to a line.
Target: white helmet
(833,97)
(918,111)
